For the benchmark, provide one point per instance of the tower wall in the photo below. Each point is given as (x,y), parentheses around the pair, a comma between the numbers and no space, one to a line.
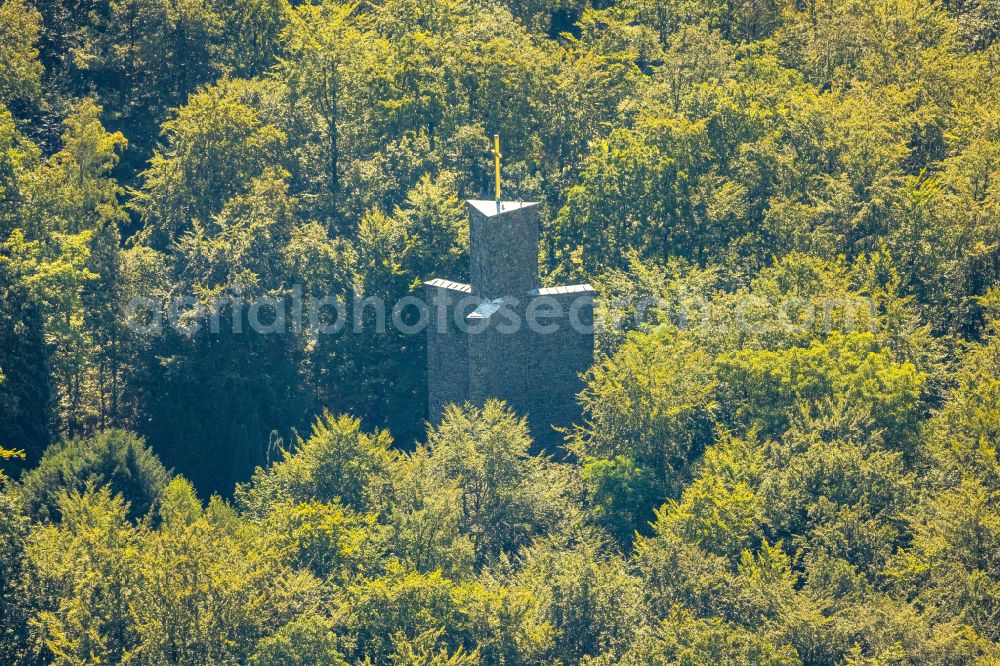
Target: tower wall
(447,345)
(503,248)
(557,360)
(499,356)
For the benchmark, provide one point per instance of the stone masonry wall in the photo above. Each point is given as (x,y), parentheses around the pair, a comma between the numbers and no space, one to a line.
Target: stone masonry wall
(499,357)
(557,360)
(447,346)
(503,249)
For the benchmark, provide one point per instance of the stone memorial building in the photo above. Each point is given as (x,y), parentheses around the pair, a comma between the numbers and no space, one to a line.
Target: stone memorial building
(503,336)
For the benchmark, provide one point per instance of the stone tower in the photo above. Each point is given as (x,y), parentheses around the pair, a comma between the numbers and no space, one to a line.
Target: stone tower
(502,336)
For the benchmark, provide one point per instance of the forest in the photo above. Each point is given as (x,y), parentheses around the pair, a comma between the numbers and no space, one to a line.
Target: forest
(787,445)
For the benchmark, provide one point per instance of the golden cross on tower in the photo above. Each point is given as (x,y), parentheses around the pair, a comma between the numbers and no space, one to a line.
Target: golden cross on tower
(496,162)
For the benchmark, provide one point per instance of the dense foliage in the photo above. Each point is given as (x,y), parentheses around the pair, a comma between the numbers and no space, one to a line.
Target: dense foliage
(788,445)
